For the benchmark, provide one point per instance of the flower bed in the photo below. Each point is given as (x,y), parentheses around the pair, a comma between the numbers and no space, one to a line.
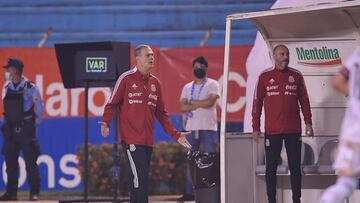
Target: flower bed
(167,170)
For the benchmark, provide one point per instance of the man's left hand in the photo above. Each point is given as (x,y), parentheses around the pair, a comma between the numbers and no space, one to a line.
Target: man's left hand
(183,141)
(309,130)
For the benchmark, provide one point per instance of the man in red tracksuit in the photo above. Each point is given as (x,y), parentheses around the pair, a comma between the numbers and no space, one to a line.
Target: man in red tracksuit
(280,90)
(137,97)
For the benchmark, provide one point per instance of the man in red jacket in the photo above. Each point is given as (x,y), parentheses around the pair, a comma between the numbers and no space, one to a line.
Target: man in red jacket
(280,90)
(137,97)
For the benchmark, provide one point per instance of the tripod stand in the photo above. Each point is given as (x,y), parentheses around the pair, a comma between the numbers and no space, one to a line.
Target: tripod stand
(115,169)
(98,64)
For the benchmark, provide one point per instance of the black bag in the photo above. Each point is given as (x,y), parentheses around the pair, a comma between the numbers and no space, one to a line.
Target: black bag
(205,168)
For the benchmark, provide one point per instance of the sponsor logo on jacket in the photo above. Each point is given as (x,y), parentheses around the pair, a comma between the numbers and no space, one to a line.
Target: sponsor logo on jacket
(291,87)
(273,93)
(273,87)
(135,101)
(151,104)
(134,94)
(153,96)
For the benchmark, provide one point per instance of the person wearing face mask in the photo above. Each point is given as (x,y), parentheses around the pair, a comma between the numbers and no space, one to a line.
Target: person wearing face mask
(23,111)
(198,103)
(280,90)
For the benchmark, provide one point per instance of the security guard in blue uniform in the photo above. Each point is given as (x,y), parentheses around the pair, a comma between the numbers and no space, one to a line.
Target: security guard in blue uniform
(23,110)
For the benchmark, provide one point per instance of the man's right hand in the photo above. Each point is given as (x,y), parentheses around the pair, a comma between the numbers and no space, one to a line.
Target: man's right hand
(104,129)
(256,135)
(183,141)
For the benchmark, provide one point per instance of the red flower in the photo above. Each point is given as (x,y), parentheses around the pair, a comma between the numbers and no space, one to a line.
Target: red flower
(104,154)
(94,165)
(171,165)
(161,162)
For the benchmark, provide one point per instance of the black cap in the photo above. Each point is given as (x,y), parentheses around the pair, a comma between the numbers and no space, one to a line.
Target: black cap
(14,62)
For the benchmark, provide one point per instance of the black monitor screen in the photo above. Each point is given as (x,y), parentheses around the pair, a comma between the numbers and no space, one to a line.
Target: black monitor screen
(95,65)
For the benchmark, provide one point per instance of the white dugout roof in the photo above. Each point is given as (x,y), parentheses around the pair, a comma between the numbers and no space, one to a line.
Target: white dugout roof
(318,21)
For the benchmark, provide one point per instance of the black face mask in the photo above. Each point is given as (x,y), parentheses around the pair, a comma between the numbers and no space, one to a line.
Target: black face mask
(199,72)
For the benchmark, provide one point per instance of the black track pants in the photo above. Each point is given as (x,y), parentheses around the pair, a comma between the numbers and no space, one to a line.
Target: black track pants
(139,160)
(273,145)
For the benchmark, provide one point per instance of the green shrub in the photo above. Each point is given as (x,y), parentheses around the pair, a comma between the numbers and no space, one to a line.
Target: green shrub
(167,170)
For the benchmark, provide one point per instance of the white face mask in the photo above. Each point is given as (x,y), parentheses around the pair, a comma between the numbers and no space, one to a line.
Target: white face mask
(8,76)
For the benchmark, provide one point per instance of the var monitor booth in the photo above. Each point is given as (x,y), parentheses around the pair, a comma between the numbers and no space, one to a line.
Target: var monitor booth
(96,63)
(93,64)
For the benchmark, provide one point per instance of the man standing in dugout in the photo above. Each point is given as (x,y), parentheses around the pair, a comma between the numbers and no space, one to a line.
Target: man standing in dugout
(280,90)
(23,110)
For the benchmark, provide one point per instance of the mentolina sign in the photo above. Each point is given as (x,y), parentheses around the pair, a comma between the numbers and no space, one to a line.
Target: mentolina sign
(318,56)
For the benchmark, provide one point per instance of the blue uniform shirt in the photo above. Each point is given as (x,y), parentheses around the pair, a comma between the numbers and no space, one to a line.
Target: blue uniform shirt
(32,97)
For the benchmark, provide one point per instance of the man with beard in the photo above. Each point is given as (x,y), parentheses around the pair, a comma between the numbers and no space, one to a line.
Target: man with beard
(280,90)
(198,102)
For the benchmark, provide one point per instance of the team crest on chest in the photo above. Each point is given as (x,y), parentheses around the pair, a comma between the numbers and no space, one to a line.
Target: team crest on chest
(153,88)
(291,78)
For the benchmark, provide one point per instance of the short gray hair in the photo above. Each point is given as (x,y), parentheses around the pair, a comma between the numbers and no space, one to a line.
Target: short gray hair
(139,48)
